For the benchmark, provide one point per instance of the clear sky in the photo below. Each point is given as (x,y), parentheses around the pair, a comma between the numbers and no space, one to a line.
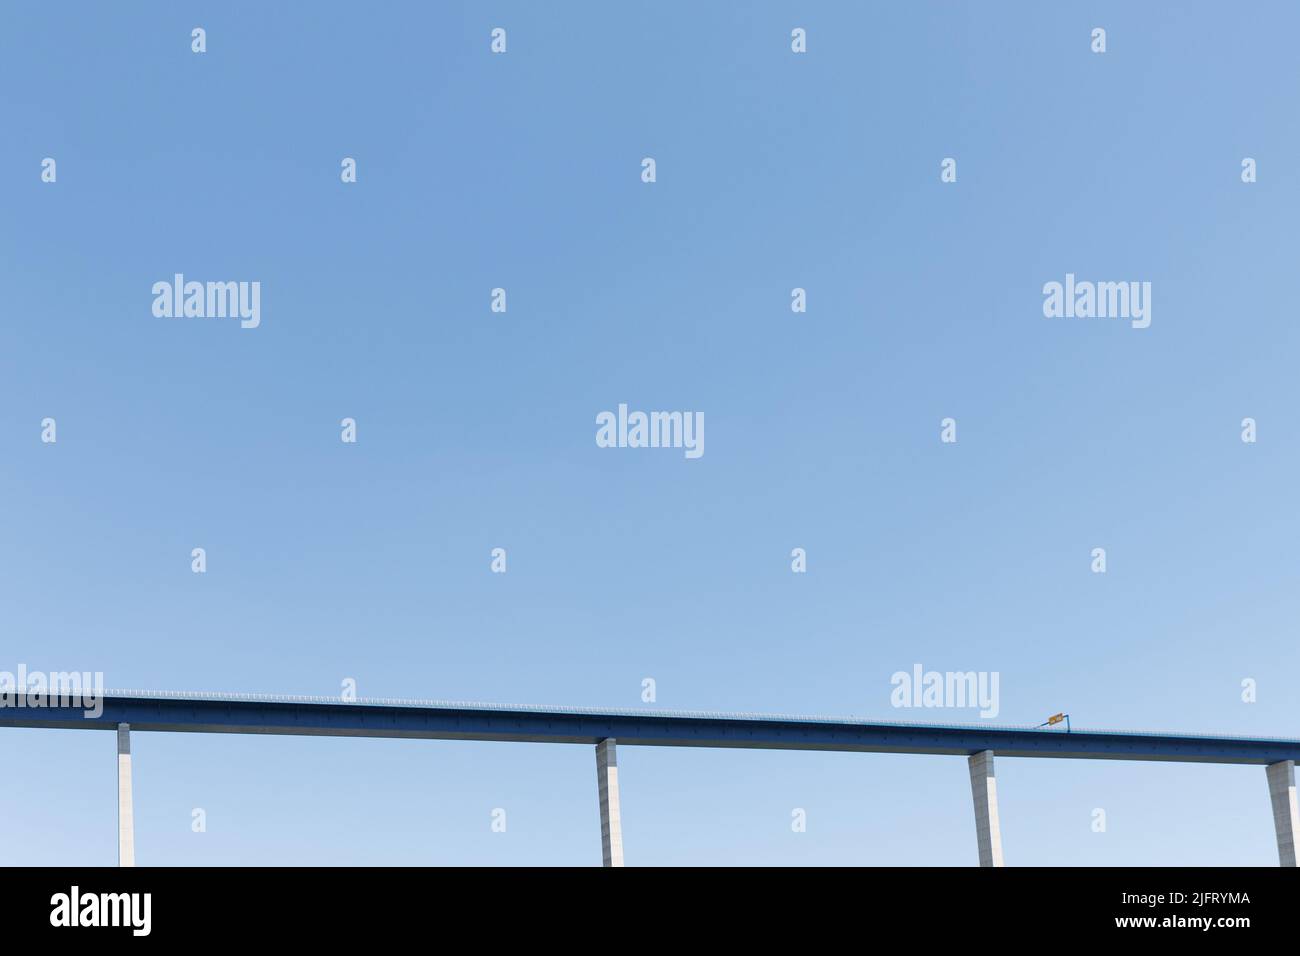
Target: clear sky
(476,430)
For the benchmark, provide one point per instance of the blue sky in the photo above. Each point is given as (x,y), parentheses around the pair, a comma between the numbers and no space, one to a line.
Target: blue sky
(476,430)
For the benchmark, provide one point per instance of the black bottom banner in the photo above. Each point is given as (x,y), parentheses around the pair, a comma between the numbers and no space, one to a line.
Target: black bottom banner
(969,906)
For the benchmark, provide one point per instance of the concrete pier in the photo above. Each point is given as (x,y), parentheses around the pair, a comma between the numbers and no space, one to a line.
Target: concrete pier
(125,813)
(611,823)
(984,790)
(1286,817)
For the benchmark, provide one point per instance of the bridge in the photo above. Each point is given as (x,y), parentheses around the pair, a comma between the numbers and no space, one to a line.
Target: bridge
(140,711)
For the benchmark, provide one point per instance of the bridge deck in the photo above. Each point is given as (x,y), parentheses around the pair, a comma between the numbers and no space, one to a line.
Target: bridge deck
(456,721)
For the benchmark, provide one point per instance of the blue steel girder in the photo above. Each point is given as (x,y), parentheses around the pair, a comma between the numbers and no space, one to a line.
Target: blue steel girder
(651,729)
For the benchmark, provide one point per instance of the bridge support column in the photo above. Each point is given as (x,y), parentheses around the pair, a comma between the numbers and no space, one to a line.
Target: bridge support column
(125,812)
(1286,816)
(984,790)
(611,822)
